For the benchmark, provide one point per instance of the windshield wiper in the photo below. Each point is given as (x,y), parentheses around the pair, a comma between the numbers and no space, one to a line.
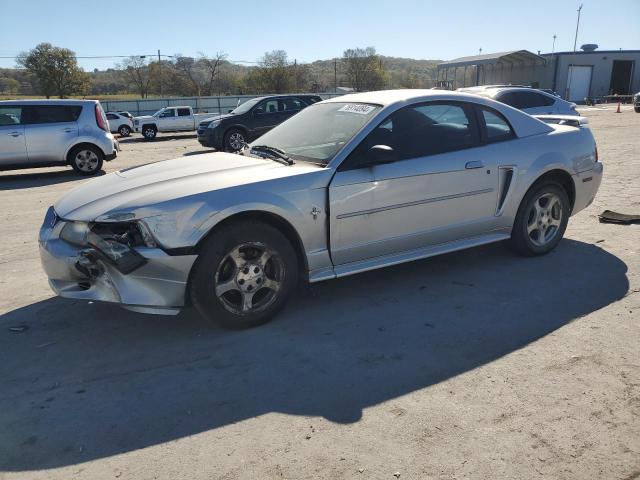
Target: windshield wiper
(273,153)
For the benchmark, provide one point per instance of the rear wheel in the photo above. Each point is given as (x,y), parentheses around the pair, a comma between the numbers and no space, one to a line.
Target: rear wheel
(149,132)
(541,219)
(244,275)
(124,130)
(637,109)
(234,140)
(86,159)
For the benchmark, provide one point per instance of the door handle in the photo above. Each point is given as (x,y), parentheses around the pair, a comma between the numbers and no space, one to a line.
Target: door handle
(474,164)
(14,134)
(68,130)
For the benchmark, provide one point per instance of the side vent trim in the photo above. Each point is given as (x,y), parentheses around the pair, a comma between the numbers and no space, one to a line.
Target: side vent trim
(505,178)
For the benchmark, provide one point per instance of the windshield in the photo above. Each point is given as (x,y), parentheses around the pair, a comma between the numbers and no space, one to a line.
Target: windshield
(319,131)
(158,112)
(245,107)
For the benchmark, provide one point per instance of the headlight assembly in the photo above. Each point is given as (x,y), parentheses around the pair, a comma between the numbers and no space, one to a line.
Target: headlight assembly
(214,124)
(75,233)
(114,242)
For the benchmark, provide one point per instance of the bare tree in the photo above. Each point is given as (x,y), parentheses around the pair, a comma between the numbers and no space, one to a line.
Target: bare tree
(187,66)
(212,67)
(138,72)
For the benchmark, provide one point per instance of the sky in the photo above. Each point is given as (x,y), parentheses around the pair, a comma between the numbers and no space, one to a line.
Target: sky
(311,30)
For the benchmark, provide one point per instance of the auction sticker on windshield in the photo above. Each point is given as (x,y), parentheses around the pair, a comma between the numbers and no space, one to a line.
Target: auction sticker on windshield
(357,108)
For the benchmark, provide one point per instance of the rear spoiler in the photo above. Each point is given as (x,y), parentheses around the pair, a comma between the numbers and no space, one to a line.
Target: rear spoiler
(572,120)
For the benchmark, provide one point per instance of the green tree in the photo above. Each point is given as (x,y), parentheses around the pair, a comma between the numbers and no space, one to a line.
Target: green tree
(9,85)
(56,69)
(364,69)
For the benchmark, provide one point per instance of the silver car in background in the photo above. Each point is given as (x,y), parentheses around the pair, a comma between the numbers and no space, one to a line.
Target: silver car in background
(530,100)
(347,185)
(43,133)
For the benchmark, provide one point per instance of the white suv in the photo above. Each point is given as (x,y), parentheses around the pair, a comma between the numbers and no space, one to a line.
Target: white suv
(43,133)
(527,99)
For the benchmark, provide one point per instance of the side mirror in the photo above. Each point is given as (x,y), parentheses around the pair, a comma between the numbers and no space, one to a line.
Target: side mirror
(379,154)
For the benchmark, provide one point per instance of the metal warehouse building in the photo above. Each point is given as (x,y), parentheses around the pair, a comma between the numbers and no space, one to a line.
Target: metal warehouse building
(574,75)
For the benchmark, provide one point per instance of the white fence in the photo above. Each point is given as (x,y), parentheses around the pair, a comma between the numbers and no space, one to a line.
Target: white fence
(199,104)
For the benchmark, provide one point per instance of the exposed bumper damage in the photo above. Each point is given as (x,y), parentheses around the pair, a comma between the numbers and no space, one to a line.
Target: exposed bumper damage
(82,272)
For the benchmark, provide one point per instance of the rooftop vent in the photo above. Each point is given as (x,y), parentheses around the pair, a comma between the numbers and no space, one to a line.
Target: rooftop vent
(589,47)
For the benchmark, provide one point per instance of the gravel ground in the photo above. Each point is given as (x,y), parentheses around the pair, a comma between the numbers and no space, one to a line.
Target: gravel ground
(476,365)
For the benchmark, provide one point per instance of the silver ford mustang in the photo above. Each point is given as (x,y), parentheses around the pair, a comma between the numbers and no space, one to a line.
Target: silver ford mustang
(347,185)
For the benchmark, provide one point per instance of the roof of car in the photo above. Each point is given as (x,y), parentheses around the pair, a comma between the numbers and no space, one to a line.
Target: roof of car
(44,101)
(389,97)
(524,124)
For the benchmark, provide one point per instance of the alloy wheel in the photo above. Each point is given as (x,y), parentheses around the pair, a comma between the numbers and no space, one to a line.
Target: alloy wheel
(544,219)
(236,140)
(249,278)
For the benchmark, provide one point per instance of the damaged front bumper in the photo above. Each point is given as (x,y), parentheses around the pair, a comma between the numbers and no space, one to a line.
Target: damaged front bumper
(83,273)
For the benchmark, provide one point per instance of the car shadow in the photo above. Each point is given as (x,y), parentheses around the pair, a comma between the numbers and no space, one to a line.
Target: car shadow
(88,381)
(18,181)
(161,137)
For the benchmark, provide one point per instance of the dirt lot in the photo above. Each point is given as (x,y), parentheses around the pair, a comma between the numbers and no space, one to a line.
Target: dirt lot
(477,364)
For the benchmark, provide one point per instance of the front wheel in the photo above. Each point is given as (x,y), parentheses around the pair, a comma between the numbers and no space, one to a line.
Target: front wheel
(86,159)
(149,132)
(636,109)
(244,275)
(234,140)
(541,219)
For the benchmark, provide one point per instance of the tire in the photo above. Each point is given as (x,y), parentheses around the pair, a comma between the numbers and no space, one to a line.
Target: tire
(541,219)
(636,109)
(234,140)
(149,132)
(243,276)
(86,159)
(124,130)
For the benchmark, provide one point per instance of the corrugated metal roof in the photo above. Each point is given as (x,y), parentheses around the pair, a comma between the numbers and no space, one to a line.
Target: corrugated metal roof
(511,57)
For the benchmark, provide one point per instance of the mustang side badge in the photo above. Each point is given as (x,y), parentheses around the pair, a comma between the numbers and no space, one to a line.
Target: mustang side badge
(315,211)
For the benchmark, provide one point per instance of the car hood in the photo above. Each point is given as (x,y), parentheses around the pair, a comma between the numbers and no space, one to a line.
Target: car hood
(208,120)
(143,117)
(139,187)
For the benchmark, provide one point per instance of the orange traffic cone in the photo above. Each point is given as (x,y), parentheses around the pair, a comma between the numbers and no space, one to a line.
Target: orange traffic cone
(618,110)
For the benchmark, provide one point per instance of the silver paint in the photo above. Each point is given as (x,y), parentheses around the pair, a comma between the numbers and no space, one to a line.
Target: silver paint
(360,219)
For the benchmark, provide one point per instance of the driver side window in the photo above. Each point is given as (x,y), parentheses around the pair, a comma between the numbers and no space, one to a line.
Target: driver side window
(168,113)
(268,106)
(420,131)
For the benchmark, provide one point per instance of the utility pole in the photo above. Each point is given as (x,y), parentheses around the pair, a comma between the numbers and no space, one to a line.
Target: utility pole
(160,71)
(335,75)
(480,51)
(575,42)
(553,48)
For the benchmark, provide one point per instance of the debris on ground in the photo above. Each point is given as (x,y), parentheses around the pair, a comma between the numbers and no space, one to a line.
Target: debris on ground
(19,328)
(609,216)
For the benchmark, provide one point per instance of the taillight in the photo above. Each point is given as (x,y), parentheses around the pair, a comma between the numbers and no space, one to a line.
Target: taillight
(596,153)
(101,120)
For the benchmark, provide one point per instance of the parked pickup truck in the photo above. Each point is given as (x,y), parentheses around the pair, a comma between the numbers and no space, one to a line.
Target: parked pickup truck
(169,119)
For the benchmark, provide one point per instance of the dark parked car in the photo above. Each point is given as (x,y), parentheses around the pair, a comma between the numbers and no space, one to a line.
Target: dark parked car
(250,120)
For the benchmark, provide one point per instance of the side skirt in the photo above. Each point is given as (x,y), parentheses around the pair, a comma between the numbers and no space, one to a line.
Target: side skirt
(403,257)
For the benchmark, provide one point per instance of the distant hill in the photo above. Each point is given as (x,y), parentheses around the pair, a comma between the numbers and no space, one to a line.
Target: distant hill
(234,78)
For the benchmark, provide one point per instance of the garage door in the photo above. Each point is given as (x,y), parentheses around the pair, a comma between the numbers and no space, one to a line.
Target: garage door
(578,83)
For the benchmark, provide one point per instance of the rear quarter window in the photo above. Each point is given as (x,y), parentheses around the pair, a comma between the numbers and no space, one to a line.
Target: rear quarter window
(50,114)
